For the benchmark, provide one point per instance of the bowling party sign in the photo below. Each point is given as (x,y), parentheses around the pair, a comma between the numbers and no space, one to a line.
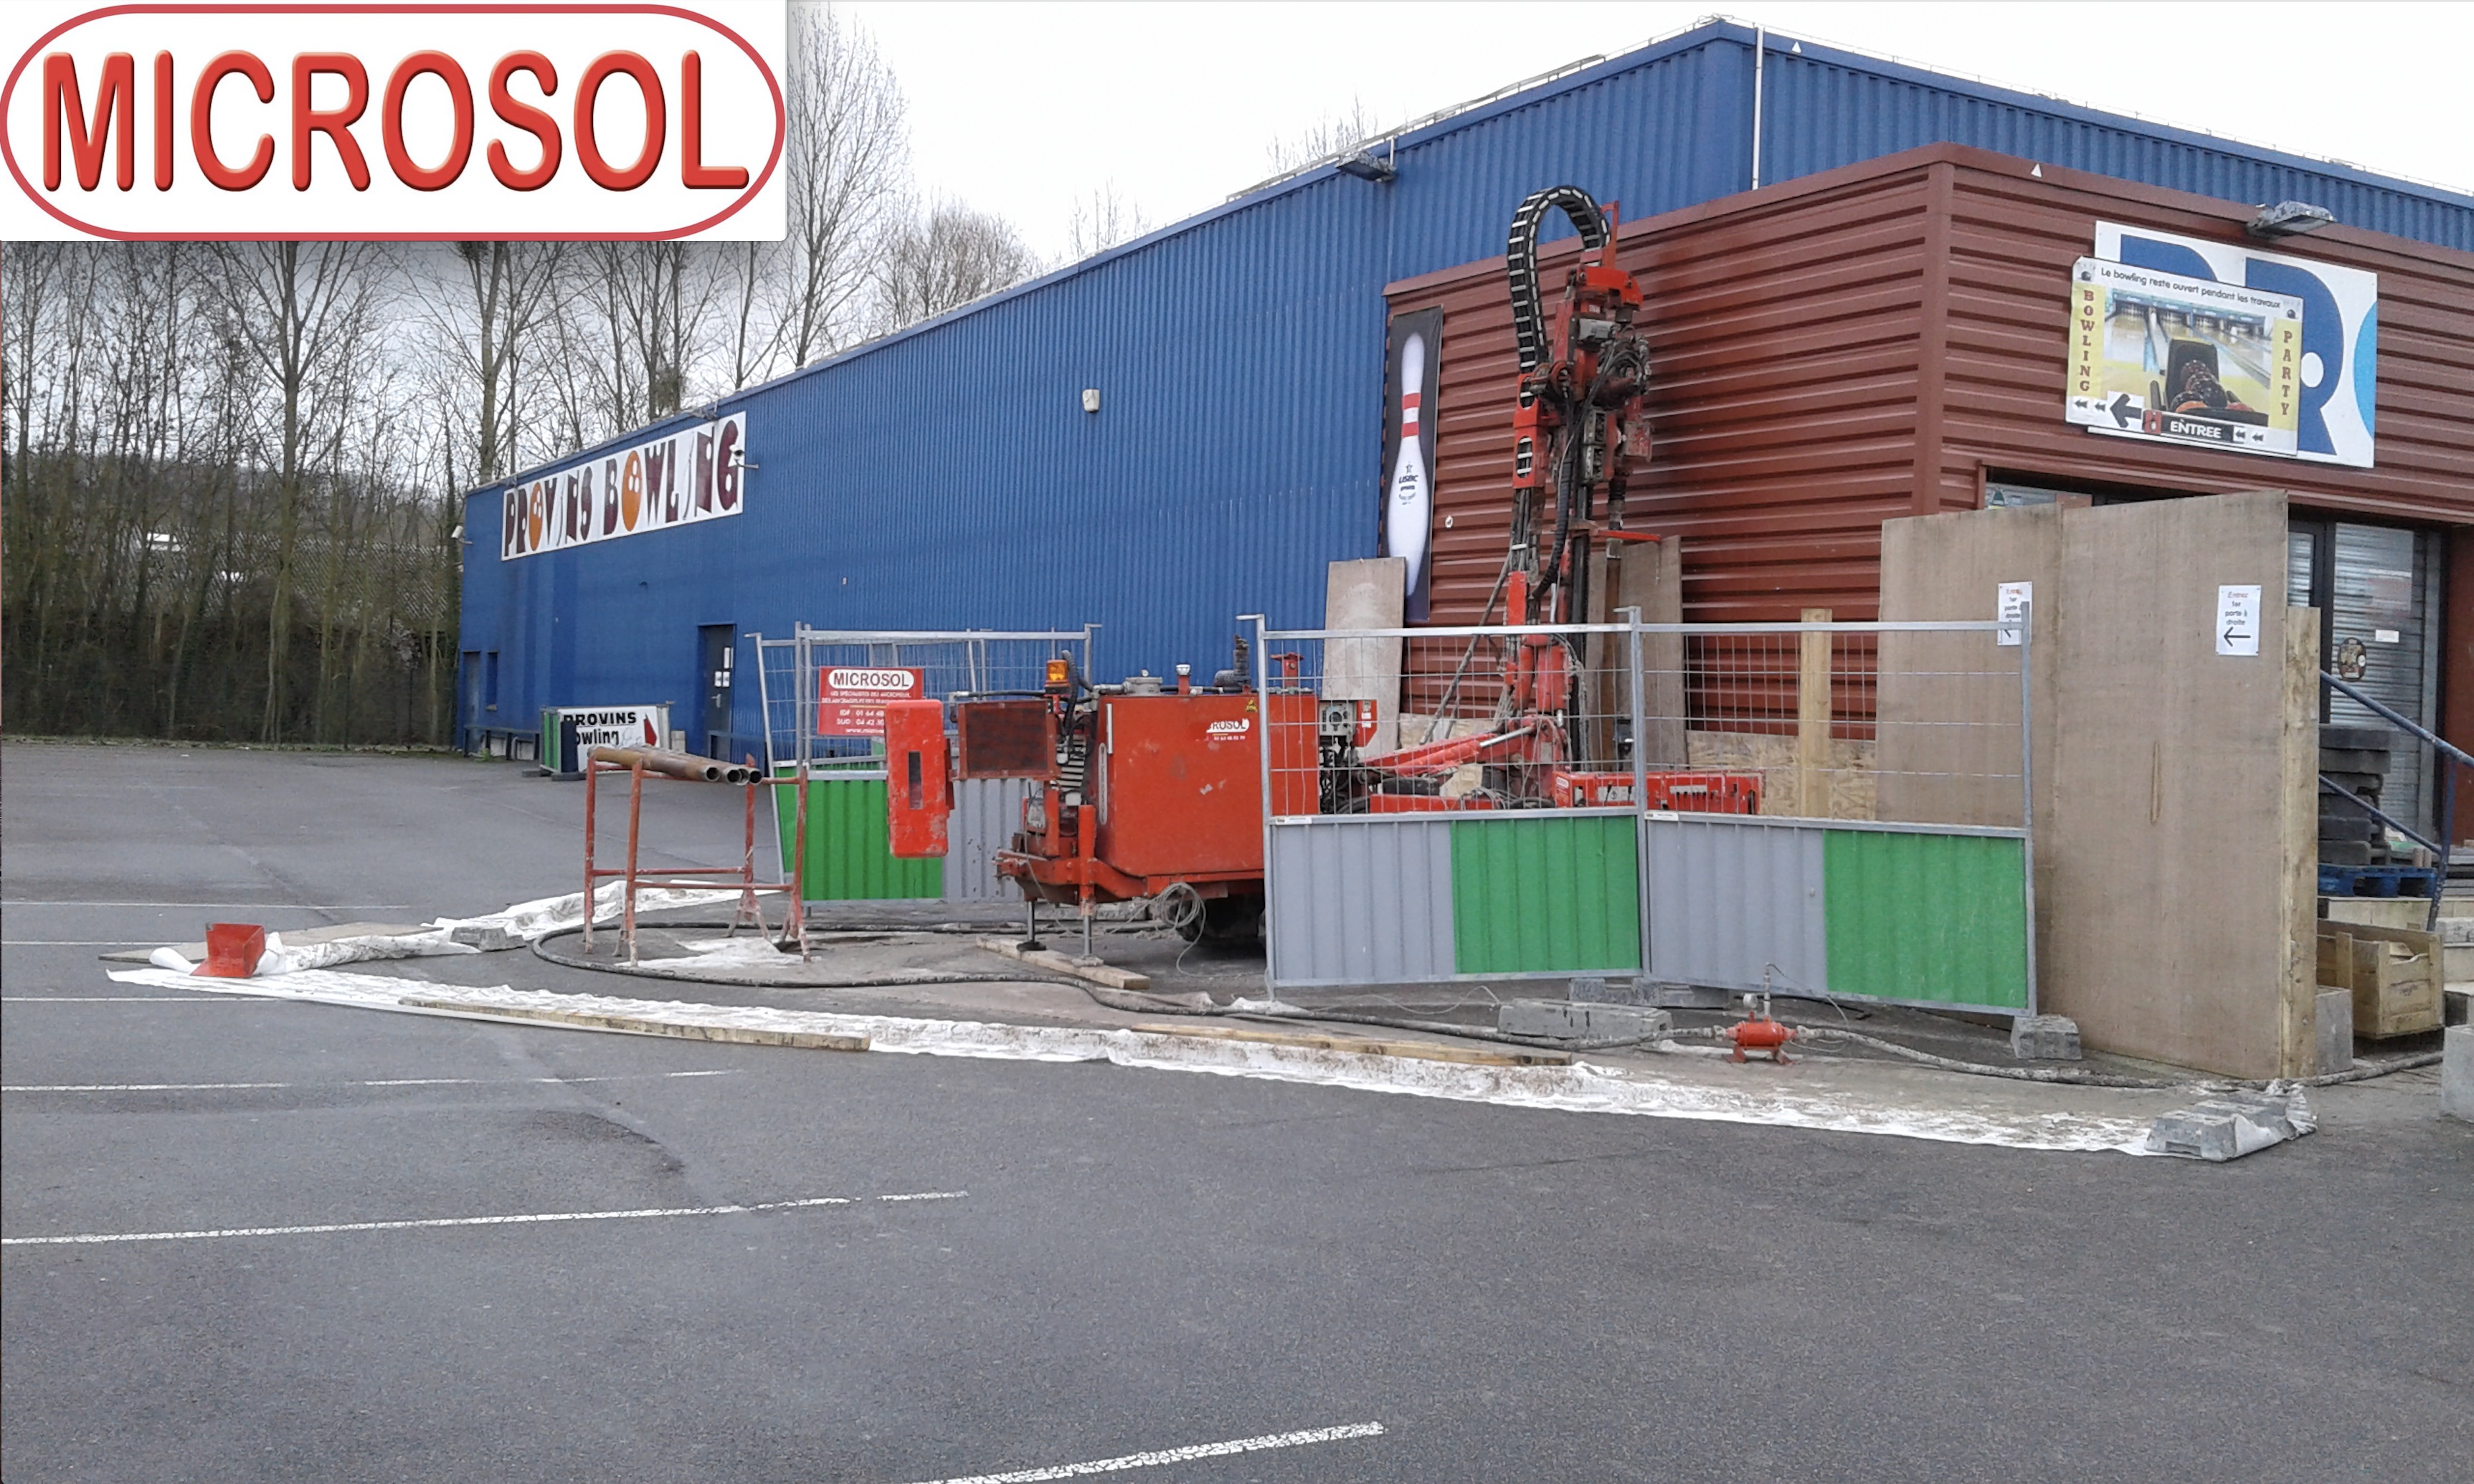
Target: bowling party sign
(1413,372)
(2226,345)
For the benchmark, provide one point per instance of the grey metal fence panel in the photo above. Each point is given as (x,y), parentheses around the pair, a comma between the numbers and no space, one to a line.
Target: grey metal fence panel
(986,813)
(1362,901)
(1726,899)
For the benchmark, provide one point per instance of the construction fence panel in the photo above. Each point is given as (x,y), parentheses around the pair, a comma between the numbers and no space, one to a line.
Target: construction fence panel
(1838,808)
(1414,831)
(810,732)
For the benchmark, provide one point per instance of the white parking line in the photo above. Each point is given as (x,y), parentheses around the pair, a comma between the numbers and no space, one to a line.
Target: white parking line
(219,997)
(381,1082)
(72,943)
(541,1218)
(253,906)
(1175,1455)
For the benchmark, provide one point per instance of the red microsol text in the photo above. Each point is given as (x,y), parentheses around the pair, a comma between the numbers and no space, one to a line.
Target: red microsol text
(392,121)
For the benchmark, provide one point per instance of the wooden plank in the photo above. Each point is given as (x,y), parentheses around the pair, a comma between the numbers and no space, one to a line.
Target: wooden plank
(1812,722)
(1057,963)
(638,1025)
(1368,1046)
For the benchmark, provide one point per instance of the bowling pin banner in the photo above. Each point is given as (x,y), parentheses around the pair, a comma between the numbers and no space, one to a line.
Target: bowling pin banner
(1411,373)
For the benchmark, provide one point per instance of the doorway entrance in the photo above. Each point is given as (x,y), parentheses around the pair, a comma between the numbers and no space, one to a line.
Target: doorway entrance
(2378,587)
(713,647)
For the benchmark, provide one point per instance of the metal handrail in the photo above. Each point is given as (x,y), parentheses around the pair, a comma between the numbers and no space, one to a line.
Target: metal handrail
(2447,790)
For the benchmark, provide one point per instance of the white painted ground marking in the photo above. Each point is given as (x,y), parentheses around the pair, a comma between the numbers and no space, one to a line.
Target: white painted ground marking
(256,906)
(73,943)
(383,1082)
(226,997)
(1943,1114)
(539,1219)
(1176,1455)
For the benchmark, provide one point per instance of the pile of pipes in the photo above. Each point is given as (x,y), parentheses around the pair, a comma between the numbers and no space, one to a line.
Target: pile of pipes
(673,765)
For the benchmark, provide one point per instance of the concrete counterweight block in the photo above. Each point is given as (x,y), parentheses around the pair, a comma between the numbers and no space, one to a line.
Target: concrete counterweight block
(2234,1124)
(1556,1019)
(2457,1074)
(1664,994)
(2332,1024)
(2045,1039)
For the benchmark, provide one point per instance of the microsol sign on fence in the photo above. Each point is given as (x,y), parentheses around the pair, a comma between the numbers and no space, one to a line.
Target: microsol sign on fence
(850,699)
(696,475)
(401,121)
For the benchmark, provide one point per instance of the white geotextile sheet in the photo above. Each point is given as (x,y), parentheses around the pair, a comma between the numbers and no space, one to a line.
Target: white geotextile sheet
(1579,1088)
(529,920)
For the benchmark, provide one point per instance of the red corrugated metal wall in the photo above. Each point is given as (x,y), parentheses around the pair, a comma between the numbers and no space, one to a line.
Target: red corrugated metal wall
(1869,342)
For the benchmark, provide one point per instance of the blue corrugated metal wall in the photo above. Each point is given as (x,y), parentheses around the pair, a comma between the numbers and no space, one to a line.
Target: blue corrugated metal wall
(948,477)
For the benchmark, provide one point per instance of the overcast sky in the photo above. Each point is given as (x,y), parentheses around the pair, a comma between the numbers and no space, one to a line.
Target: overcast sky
(1023,109)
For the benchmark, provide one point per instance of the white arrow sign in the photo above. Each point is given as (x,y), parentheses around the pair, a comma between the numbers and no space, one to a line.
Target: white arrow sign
(2238,620)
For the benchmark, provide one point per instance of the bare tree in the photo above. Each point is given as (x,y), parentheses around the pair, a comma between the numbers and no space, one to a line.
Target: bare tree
(1103,220)
(1326,137)
(943,259)
(301,311)
(848,163)
(482,301)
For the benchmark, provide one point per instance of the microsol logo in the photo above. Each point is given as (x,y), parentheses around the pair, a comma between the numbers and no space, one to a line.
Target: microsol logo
(899,682)
(1235,729)
(392,121)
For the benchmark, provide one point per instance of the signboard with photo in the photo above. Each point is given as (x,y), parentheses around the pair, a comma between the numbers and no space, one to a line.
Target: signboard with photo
(2187,360)
(2334,351)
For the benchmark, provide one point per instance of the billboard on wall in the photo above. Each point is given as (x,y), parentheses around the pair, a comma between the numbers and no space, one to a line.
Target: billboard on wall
(692,475)
(2189,360)
(2335,364)
(1412,373)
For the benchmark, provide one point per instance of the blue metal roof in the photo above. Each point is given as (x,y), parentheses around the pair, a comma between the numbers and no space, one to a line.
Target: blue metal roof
(946,476)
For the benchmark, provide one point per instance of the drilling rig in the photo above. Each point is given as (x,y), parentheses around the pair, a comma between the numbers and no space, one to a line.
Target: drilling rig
(1140,790)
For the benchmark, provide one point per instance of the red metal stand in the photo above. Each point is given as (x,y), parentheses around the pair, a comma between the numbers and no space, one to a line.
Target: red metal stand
(748,912)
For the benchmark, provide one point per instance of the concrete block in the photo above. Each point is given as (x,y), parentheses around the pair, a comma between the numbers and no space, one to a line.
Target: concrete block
(1670,994)
(1591,990)
(489,937)
(2332,1023)
(2045,1039)
(2379,911)
(1563,1020)
(2233,1125)
(2457,1072)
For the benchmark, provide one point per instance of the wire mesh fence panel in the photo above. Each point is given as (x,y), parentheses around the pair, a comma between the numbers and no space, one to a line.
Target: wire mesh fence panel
(1449,720)
(823,690)
(1856,722)
(823,693)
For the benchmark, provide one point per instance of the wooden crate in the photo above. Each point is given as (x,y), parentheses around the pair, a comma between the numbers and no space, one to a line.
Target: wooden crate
(2392,972)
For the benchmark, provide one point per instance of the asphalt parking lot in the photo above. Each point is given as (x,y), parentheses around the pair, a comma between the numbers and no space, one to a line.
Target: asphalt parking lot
(813,1266)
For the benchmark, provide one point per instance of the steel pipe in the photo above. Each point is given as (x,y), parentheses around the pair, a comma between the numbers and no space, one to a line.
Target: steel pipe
(686,766)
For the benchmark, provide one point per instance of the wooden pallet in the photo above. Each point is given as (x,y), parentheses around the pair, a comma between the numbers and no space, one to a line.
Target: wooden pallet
(2376,880)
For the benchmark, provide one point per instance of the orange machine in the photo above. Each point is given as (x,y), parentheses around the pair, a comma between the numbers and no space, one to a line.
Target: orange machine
(1138,791)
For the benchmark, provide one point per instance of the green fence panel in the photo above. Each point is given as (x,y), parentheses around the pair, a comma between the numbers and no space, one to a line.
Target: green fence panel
(850,856)
(1941,919)
(1545,896)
